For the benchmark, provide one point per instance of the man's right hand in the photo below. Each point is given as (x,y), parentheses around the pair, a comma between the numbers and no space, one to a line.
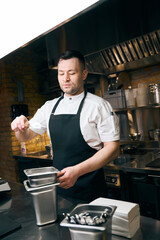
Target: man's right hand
(20,123)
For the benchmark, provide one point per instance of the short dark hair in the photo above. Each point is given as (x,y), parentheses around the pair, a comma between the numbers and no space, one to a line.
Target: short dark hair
(71,54)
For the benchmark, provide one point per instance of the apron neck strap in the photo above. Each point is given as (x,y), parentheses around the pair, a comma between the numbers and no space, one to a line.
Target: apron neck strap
(81,104)
(55,106)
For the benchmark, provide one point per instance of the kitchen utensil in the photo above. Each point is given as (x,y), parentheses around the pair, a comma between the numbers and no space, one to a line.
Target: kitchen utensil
(93,211)
(135,136)
(154,94)
(154,134)
(112,82)
(89,218)
(41,176)
(123,79)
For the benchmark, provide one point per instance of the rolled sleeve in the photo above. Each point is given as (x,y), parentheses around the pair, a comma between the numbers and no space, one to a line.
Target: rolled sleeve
(107,124)
(39,122)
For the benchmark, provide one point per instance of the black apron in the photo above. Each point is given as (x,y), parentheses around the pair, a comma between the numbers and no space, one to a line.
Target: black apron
(69,149)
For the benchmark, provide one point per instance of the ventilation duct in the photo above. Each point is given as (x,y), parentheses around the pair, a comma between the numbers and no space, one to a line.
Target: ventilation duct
(135,53)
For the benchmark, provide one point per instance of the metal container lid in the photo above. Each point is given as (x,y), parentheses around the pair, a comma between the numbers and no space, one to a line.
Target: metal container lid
(41,176)
(32,172)
(154,86)
(40,188)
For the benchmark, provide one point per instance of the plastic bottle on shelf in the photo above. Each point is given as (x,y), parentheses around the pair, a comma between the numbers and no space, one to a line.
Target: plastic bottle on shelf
(23,148)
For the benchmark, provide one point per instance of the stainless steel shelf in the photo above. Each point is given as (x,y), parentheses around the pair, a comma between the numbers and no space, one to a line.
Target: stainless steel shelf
(135,108)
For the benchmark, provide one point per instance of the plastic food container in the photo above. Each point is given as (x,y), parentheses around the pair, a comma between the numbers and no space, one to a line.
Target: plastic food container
(44,201)
(89,232)
(130,99)
(116,98)
(41,176)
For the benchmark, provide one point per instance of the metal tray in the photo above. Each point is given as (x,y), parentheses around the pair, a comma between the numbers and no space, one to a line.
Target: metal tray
(40,189)
(92,210)
(41,176)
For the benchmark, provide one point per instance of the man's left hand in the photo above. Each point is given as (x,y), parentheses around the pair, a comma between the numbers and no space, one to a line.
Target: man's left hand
(67,177)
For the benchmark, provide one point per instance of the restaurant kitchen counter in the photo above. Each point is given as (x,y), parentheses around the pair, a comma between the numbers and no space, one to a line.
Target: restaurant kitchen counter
(129,162)
(135,177)
(17,205)
(134,163)
(135,157)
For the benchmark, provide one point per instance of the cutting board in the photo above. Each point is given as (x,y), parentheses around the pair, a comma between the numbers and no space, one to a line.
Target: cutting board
(7,225)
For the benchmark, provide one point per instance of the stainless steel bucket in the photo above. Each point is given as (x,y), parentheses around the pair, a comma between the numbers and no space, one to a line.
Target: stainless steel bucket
(44,201)
(154,94)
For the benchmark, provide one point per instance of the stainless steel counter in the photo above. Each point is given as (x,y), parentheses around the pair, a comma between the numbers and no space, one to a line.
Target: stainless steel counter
(135,157)
(18,206)
(134,163)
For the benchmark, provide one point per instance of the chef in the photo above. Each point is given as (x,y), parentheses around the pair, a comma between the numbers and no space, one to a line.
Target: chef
(83,129)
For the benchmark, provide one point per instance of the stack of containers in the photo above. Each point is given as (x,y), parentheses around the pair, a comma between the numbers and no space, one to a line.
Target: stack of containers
(142,95)
(41,184)
(130,97)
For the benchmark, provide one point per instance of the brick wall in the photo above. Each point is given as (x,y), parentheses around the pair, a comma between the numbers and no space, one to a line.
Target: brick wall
(145,75)
(16,67)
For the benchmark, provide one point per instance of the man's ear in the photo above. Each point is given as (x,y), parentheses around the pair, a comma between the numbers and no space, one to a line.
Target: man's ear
(85,73)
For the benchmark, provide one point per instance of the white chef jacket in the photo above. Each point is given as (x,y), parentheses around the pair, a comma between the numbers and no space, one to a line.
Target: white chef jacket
(98,122)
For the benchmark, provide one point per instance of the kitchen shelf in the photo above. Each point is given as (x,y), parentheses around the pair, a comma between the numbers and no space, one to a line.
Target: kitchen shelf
(135,108)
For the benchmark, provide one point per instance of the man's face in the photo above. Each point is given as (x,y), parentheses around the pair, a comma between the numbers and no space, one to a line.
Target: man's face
(71,76)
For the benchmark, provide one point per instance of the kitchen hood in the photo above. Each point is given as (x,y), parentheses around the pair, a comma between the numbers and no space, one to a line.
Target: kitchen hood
(113,35)
(135,53)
